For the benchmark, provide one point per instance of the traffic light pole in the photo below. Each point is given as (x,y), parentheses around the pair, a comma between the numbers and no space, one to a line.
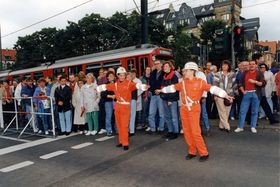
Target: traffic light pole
(232,34)
(144,21)
(0,49)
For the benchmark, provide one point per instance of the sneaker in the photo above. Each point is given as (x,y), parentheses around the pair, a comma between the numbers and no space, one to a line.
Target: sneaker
(181,131)
(139,127)
(88,133)
(232,118)
(253,130)
(81,132)
(148,129)
(40,132)
(93,132)
(102,131)
(85,131)
(239,130)
(46,132)
(109,134)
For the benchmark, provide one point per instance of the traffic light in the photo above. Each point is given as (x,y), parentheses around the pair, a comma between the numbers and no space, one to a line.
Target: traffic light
(237,38)
(239,42)
(222,42)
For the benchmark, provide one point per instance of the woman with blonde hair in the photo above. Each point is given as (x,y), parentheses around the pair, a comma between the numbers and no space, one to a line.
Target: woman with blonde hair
(90,99)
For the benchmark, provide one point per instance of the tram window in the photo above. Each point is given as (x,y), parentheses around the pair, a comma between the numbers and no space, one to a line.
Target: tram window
(112,64)
(38,75)
(59,71)
(74,69)
(93,68)
(143,64)
(130,64)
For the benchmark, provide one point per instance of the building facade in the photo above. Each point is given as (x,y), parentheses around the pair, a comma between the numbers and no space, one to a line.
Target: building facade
(8,58)
(191,19)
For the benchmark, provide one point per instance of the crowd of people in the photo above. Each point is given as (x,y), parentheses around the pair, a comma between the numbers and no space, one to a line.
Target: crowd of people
(153,101)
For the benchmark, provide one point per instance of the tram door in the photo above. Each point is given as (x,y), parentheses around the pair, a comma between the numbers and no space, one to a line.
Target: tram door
(142,64)
(74,69)
(130,64)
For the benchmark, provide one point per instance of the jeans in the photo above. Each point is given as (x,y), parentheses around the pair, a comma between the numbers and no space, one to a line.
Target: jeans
(156,104)
(65,121)
(45,119)
(132,116)
(109,113)
(171,116)
(204,115)
(28,109)
(145,111)
(249,98)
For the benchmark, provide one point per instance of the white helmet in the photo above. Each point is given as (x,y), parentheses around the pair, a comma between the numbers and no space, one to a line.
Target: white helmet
(191,65)
(121,70)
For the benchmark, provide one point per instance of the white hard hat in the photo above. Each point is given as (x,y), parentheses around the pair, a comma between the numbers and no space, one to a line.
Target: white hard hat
(191,65)
(121,70)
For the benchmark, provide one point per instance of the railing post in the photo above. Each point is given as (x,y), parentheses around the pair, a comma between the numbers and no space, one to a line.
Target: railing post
(52,113)
(16,112)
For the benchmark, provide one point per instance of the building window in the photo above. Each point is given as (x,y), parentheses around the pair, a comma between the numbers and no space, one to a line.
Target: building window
(220,1)
(160,15)
(169,25)
(226,17)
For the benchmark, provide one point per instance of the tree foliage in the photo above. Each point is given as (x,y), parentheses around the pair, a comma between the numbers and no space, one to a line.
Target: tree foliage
(90,34)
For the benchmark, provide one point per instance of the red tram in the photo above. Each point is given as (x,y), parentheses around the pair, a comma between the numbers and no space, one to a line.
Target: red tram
(135,57)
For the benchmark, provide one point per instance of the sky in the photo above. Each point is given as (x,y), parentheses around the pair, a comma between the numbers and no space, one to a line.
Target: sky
(17,14)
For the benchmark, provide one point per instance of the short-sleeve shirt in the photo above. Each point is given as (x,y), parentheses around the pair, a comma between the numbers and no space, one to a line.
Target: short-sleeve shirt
(122,90)
(248,85)
(194,88)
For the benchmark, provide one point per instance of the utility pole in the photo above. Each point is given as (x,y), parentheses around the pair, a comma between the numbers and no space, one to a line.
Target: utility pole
(144,21)
(232,33)
(1,66)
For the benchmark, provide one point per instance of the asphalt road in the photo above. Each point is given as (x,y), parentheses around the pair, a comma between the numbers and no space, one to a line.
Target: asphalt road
(243,160)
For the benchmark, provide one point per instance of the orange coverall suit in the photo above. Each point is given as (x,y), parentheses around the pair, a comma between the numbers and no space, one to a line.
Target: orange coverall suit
(190,116)
(122,92)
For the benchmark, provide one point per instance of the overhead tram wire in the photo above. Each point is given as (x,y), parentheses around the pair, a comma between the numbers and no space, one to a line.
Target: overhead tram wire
(48,18)
(257,4)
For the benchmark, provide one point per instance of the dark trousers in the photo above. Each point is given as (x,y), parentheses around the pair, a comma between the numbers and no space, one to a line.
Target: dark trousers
(8,116)
(101,115)
(267,109)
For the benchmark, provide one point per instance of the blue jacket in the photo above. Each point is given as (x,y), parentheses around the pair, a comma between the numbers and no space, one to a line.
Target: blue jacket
(27,90)
(39,101)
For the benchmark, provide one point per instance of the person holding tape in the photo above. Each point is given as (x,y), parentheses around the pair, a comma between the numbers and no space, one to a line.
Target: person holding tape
(191,90)
(122,90)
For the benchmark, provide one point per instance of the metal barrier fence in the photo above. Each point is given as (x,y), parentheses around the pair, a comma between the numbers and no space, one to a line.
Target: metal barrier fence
(30,112)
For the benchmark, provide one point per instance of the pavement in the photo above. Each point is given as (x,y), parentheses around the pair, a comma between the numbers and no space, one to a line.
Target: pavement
(242,159)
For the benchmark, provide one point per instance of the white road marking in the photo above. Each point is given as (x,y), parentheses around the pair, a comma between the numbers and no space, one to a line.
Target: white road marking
(15,139)
(104,138)
(16,166)
(53,154)
(82,145)
(31,144)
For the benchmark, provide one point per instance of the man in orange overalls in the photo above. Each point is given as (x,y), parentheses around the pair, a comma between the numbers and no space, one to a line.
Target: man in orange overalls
(122,89)
(191,90)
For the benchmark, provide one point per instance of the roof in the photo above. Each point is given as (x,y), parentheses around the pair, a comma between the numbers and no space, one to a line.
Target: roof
(250,27)
(23,71)
(8,55)
(204,10)
(271,44)
(103,56)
